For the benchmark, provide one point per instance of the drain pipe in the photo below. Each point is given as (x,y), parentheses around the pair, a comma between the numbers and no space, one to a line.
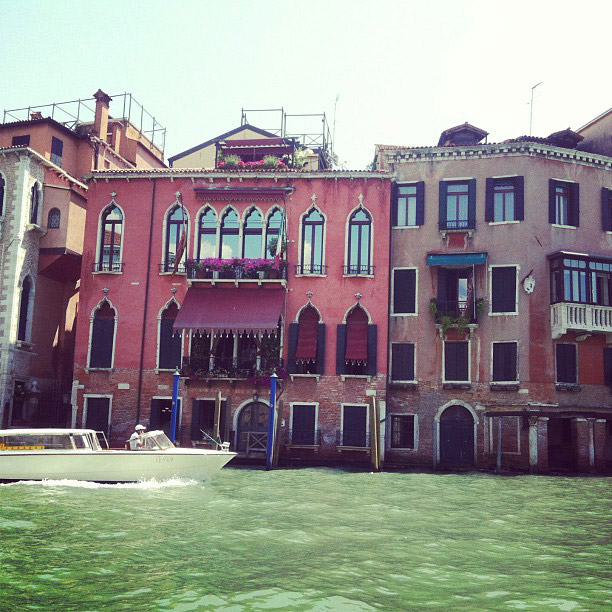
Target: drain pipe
(146,303)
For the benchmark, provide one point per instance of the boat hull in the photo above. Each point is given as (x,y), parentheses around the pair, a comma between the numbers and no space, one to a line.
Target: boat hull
(112,466)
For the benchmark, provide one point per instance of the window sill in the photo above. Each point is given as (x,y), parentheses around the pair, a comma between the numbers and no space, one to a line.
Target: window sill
(357,276)
(401,449)
(315,376)
(404,314)
(406,227)
(37,229)
(364,449)
(164,370)
(411,385)
(570,227)
(503,314)
(504,386)
(22,345)
(457,385)
(569,387)
(503,222)
(107,272)
(609,232)
(311,275)
(170,273)
(314,447)
(468,230)
(99,370)
(344,377)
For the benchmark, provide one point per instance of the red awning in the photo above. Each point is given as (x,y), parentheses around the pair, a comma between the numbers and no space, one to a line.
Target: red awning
(307,335)
(231,310)
(357,336)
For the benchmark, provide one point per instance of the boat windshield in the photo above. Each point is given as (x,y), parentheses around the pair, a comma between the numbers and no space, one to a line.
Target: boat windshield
(157,440)
(36,442)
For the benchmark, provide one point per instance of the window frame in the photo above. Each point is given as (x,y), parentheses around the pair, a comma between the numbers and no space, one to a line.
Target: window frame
(368,270)
(59,218)
(504,313)
(92,318)
(166,266)
(419,204)
(57,144)
(565,382)
(247,231)
(414,378)
(392,312)
(316,420)
(160,318)
(36,204)
(443,201)
(231,231)
(572,192)
(99,263)
(273,232)
(302,238)
(469,362)
(87,396)
(517,378)
(26,311)
(200,231)
(415,431)
(343,405)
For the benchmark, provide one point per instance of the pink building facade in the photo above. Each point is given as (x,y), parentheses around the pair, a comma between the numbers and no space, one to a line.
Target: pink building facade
(231,275)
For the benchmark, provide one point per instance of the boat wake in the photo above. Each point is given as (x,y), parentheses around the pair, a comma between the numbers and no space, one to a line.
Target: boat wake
(81,484)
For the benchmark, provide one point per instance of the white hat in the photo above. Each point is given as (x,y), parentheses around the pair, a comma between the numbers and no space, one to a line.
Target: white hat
(140,428)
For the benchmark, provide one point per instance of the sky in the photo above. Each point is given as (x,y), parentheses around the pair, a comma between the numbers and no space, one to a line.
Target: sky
(384,72)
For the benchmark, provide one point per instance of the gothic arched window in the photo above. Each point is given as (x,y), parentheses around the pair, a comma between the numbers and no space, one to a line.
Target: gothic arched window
(102,337)
(359,238)
(313,225)
(111,231)
(252,235)
(207,234)
(54,218)
(229,243)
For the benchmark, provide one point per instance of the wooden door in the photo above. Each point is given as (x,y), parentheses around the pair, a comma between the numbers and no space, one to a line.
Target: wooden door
(456,438)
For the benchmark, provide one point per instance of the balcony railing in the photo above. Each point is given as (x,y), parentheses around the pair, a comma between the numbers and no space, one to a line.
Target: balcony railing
(456,309)
(359,270)
(358,439)
(310,269)
(107,266)
(236,270)
(169,267)
(219,368)
(566,316)
(303,437)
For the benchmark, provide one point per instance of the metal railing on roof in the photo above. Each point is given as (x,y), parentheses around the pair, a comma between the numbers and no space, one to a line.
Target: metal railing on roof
(73,113)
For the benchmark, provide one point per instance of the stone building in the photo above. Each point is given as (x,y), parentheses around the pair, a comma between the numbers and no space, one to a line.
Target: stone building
(42,219)
(501,303)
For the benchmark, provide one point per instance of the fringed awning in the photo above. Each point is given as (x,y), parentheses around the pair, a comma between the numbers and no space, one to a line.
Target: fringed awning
(357,336)
(231,311)
(307,335)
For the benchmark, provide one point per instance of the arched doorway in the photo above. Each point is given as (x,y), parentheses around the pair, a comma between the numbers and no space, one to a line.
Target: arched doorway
(252,432)
(456,438)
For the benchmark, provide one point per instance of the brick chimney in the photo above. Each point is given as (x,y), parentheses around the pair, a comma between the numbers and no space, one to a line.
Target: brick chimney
(101,120)
(34,115)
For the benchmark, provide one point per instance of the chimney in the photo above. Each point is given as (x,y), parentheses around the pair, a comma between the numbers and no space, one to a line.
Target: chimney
(101,120)
(34,115)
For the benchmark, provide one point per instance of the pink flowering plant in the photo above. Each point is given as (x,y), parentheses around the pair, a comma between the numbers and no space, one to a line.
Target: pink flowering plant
(270,162)
(246,267)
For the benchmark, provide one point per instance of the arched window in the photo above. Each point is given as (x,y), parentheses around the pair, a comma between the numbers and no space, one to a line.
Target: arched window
(102,337)
(359,238)
(229,244)
(273,233)
(34,203)
(53,218)
(111,232)
(207,234)
(312,243)
(252,235)
(24,309)
(170,343)
(176,237)
(2,186)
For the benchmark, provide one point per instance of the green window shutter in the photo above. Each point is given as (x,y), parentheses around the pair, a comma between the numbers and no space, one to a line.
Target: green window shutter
(442,206)
(471,204)
(321,348)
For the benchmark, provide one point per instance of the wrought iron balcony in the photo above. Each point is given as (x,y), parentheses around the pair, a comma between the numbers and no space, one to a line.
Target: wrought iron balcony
(303,437)
(457,310)
(357,439)
(107,266)
(359,270)
(588,318)
(310,269)
(236,269)
(221,368)
(168,267)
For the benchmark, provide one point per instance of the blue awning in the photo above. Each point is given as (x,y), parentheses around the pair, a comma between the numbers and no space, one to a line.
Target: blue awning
(457,259)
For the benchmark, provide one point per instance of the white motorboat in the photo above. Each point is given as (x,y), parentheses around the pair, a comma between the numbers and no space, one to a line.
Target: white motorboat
(76,454)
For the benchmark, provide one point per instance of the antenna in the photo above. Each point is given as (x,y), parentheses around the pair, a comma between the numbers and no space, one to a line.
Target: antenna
(531,107)
(334,127)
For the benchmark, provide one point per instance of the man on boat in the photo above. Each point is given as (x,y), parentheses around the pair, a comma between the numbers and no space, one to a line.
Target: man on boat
(136,440)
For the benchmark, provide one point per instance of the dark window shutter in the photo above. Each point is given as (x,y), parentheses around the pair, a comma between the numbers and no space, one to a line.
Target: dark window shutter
(102,334)
(321,348)
(456,361)
(489,201)
(293,338)
(606,213)
(394,196)
(504,361)
(404,291)
(402,362)
(442,206)
(551,201)
(372,349)
(97,414)
(420,203)
(608,365)
(566,363)
(472,203)
(196,410)
(169,346)
(574,212)
(442,295)
(503,289)
(155,418)
(340,349)
(303,424)
(519,198)
(462,360)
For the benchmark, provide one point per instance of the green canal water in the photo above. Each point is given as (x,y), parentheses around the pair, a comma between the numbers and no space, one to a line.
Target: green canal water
(310,539)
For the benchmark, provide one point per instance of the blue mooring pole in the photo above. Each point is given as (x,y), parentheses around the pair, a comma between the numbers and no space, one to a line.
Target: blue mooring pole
(175,384)
(271,428)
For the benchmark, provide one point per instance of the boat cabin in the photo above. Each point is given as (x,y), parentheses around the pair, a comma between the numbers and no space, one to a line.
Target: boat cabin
(49,439)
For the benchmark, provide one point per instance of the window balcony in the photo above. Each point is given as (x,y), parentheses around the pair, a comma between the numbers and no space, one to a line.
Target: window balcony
(303,437)
(221,368)
(456,312)
(236,271)
(168,268)
(314,269)
(587,318)
(107,266)
(359,270)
